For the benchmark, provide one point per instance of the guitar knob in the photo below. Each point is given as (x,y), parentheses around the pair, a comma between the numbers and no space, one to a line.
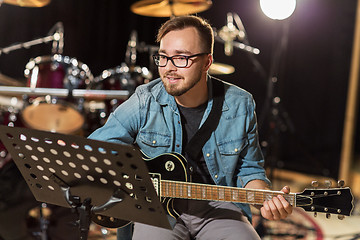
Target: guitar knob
(328,183)
(315,184)
(315,214)
(341,217)
(341,183)
(328,215)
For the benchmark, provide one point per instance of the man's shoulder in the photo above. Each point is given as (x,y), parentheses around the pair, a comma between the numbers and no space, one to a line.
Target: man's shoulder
(153,86)
(150,89)
(153,91)
(232,90)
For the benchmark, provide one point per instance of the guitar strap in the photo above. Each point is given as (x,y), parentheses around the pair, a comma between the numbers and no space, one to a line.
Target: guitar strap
(194,146)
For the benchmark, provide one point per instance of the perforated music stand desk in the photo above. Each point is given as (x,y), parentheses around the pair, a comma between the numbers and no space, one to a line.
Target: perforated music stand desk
(106,180)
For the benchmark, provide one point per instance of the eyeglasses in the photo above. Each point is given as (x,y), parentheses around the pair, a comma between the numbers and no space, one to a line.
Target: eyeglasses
(180,61)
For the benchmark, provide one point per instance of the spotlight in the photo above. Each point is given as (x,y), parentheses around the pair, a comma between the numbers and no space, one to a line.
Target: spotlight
(278,9)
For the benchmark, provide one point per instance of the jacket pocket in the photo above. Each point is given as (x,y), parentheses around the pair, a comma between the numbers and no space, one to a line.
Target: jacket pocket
(232,147)
(153,143)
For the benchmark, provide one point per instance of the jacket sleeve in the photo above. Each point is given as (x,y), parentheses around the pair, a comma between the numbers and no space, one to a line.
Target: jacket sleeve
(252,167)
(122,124)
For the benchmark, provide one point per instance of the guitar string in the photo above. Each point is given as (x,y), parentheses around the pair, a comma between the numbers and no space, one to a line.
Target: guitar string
(232,194)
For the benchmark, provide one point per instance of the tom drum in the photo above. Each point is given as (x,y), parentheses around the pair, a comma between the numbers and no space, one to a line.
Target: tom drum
(51,113)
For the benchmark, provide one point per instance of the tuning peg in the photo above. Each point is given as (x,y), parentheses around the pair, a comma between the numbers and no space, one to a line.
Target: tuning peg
(341,183)
(341,217)
(328,215)
(315,214)
(315,184)
(328,183)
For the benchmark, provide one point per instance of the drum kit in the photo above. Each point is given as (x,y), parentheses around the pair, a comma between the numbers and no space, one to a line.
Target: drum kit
(61,94)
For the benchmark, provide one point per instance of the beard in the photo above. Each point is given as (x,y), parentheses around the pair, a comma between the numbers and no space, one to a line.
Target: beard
(181,87)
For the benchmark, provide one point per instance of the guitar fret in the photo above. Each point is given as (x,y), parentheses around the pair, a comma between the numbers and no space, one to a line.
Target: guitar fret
(235,195)
(173,190)
(267,196)
(196,191)
(167,189)
(221,194)
(258,197)
(250,196)
(208,192)
(181,192)
(290,199)
(213,194)
(228,194)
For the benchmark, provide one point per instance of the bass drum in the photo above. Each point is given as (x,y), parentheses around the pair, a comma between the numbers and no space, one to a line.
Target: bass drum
(121,77)
(50,113)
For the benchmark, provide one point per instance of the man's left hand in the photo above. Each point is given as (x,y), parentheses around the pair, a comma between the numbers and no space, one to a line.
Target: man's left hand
(277,208)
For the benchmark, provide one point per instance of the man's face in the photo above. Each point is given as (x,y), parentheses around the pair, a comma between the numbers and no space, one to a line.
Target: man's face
(178,81)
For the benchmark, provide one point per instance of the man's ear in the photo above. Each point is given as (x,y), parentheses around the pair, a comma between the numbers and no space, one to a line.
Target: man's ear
(210,60)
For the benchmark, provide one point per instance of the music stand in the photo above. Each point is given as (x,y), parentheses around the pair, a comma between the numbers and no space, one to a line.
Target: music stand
(91,176)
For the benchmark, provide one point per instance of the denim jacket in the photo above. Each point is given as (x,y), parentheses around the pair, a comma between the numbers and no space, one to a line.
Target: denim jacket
(150,118)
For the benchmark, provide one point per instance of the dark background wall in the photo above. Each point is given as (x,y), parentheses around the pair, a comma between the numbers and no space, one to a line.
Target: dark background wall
(312,75)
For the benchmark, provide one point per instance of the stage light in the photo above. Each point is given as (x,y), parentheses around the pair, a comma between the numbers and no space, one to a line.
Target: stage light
(278,9)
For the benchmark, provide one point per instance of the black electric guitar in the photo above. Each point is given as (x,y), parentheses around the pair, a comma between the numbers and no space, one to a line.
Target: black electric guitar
(168,173)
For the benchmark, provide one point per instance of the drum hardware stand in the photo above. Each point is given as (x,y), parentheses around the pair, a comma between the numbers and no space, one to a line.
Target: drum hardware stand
(130,55)
(57,37)
(92,177)
(151,49)
(44,223)
(63,92)
(28,44)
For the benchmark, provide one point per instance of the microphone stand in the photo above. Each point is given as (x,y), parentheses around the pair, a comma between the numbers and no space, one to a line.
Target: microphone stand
(55,37)
(26,45)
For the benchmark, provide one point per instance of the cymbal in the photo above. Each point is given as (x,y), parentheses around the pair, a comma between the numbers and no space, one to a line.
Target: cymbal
(169,8)
(10,81)
(28,3)
(220,69)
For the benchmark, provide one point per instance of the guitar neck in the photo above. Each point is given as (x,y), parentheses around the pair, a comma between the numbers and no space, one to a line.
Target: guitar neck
(197,191)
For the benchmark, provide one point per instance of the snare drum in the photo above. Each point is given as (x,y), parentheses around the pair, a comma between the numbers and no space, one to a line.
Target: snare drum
(50,113)
(121,77)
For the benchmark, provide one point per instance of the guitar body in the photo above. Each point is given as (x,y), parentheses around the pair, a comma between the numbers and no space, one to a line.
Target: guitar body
(168,166)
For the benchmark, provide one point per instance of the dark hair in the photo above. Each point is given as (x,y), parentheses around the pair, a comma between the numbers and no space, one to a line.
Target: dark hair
(178,23)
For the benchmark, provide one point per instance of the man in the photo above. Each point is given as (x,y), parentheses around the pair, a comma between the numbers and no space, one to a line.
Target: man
(163,115)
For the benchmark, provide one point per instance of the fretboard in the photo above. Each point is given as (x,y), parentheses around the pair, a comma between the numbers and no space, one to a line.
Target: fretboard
(185,190)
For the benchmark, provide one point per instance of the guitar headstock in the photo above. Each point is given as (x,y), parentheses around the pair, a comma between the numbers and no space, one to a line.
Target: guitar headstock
(327,200)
